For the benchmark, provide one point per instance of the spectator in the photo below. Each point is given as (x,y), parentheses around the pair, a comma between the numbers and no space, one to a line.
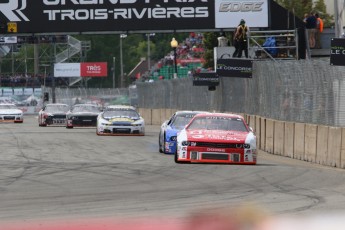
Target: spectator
(241,37)
(319,29)
(310,25)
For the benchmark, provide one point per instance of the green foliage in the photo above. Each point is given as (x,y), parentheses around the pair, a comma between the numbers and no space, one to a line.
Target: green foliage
(320,8)
(301,7)
(210,41)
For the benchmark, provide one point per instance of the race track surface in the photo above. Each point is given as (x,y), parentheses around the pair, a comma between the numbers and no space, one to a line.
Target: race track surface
(59,174)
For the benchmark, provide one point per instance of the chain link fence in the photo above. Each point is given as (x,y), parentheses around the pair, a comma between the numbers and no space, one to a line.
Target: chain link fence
(100,96)
(308,91)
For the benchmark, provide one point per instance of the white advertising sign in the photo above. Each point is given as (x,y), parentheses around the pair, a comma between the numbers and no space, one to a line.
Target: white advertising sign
(67,70)
(18,91)
(28,91)
(8,40)
(230,12)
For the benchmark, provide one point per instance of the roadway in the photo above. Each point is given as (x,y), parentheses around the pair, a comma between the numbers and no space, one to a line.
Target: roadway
(57,173)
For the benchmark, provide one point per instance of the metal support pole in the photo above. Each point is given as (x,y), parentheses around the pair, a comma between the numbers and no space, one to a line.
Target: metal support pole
(113,72)
(175,54)
(121,63)
(148,52)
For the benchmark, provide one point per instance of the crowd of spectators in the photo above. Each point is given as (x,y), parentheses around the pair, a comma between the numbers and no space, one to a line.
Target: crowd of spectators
(29,80)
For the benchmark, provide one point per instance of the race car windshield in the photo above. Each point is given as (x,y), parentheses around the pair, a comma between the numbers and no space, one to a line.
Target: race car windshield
(181,121)
(8,107)
(57,108)
(85,108)
(218,123)
(121,113)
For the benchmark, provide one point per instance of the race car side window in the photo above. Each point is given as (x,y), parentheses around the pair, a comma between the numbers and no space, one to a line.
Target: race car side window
(171,119)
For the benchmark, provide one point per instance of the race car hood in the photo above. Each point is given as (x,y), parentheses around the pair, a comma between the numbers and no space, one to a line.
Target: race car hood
(10,111)
(83,113)
(215,135)
(121,119)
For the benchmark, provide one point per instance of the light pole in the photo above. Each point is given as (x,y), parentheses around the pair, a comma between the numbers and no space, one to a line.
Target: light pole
(45,76)
(149,50)
(121,59)
(174,45)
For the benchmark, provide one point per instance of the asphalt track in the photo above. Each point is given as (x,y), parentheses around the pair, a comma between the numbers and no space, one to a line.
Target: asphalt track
(54,173)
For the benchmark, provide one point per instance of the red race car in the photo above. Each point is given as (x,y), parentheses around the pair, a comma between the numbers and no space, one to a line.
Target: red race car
(216,138)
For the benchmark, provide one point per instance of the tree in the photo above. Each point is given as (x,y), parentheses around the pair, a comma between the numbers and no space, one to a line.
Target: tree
(210,41)
(301,7)
(321,9)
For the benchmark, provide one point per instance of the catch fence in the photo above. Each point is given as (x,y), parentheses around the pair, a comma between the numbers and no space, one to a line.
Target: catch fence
(307,91)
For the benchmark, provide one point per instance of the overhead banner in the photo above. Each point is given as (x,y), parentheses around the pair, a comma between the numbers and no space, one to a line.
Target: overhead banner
(337,56)
(205,79)
(92,16)
(84,69)
(233,67)
(65,16)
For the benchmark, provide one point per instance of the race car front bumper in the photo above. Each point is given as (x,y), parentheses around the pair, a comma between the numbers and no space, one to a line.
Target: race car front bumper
(11,118)
(112,130)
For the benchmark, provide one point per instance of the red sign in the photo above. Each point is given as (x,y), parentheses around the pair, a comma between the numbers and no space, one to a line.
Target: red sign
(93,69)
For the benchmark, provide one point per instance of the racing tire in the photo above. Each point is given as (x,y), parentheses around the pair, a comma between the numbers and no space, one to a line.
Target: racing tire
(69,127)
(179,162)
(42,125)
(161,150)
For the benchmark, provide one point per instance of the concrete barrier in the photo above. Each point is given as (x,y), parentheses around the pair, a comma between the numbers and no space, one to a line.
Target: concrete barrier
(299,141)
(278,138)
(310,143)
(334,146)
(263,133)
(322,145)
(289,134)
(342,151)
(251,121)
(269,147)
(147,115)
(156,117)
(257,131)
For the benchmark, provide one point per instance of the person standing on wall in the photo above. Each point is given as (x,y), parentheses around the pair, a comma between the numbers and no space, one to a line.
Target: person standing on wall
(241,37)
(319,29)
(311,29)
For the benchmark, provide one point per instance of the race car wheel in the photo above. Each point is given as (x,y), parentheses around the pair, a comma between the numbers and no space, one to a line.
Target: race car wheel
(69,127)
(42,125)
(179,162)
(159,144)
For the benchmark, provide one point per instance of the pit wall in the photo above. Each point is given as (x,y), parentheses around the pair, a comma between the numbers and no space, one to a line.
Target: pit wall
(324,145)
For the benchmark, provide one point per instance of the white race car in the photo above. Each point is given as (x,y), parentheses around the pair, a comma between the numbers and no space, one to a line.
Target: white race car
(120,120)
(53,114)
(10,113)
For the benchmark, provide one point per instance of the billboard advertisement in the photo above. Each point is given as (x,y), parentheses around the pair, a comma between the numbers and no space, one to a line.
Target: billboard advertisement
(67,16)
(234,67)
(337,51)
(92,16)
(84,69)
(230,12)
(8,40)
(205,79)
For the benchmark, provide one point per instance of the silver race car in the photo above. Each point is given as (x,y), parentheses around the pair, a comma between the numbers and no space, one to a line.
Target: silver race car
(120,120)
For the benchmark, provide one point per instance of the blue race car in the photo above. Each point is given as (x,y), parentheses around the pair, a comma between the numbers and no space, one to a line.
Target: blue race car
(170,128)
